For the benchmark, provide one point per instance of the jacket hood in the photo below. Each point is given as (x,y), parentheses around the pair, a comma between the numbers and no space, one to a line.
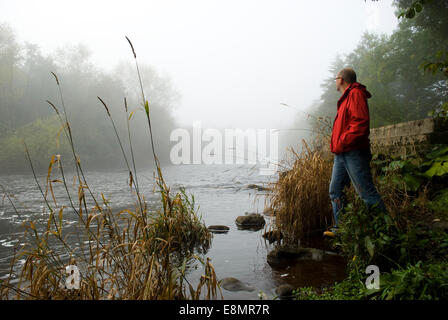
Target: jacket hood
(354,85)
(361,87)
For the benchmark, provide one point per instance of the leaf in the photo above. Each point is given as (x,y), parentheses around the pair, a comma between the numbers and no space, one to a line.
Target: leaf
(438,168)
(370,246)
(403,251)
(418,7)
(410,14)
(437,152)
(388,220)
(147,108)
(60,220)
(412,182)
(395,165)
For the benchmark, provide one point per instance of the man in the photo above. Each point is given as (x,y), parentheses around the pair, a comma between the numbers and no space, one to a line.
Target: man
(351,147)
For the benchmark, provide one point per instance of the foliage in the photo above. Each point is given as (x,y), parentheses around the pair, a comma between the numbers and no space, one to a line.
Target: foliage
(43,137)
(181,225)
(26,84)
(412,188)
(404,242)
(396,68)
(351,288)
(415,7)
(413,172)
(414,282)
(439,203)
(421,281)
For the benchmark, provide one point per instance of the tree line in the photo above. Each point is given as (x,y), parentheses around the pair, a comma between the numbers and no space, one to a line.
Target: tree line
(405,72)
(26,83)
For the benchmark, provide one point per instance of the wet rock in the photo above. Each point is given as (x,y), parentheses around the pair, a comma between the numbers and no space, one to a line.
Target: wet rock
(257,187)
(233,284)
(218,229)
(274,235)
(253,221)
(284,291)
(288,253)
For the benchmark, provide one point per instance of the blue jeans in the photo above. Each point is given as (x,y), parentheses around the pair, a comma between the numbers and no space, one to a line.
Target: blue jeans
(353,166)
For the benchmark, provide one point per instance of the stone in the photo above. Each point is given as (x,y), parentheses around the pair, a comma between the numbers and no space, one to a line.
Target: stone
(284,291)
(218,229)
(253,221)
(290,253)
(233,284)
(406,138)
(257,187)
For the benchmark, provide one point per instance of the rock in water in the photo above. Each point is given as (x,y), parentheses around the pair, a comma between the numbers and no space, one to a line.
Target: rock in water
(218,229)
(259,188)
(284,291)
(253,221)
(233,284)
(287,253)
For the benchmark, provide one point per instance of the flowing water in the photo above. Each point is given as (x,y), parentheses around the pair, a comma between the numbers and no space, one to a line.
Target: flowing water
(221,192)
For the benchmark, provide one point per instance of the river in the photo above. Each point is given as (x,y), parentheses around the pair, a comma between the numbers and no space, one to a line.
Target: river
(221,192)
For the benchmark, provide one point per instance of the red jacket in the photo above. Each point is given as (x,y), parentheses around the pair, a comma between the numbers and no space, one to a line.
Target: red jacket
(351,124)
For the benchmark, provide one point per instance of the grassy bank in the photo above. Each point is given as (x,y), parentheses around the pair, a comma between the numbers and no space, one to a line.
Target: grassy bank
(137,253)
(409,243)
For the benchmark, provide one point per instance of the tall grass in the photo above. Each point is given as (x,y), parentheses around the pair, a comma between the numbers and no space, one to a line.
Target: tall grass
(299,199)
(137,253)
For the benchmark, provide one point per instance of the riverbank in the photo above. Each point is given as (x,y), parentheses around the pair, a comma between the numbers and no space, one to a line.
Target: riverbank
(408,244)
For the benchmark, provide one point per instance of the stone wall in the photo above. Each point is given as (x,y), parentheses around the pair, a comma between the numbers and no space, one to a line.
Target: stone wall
(411,137)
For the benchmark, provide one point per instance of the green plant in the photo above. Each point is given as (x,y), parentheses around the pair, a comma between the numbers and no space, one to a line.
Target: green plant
(421,281)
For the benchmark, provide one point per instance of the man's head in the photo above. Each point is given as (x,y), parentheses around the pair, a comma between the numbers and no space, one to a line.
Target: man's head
(345,77)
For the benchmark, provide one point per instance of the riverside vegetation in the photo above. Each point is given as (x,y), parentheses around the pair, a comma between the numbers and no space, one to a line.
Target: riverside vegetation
(409,243)
(138,253)
(407,72)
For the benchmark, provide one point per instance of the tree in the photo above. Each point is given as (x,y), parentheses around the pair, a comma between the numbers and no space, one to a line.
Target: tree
(26,83)
(390,67)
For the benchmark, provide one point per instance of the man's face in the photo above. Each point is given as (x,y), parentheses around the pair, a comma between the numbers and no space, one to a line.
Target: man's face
(339,82)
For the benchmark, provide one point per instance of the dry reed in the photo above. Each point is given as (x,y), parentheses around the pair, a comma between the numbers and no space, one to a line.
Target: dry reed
(299,199)
(133,254)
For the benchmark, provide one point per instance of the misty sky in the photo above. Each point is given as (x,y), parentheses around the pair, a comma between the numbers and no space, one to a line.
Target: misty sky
(233,62)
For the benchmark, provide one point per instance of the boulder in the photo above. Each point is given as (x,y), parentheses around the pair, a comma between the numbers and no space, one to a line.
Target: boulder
(233,284)
(218,229)
(289,253)
(284,291)
(253,221)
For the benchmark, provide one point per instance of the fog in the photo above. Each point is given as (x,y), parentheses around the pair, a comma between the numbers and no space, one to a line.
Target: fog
(228,64)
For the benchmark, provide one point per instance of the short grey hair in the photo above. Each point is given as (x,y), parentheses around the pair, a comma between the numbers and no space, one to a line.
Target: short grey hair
(348,74)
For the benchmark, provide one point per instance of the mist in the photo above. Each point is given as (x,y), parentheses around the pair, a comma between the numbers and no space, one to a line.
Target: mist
(167,149)
(230,65)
